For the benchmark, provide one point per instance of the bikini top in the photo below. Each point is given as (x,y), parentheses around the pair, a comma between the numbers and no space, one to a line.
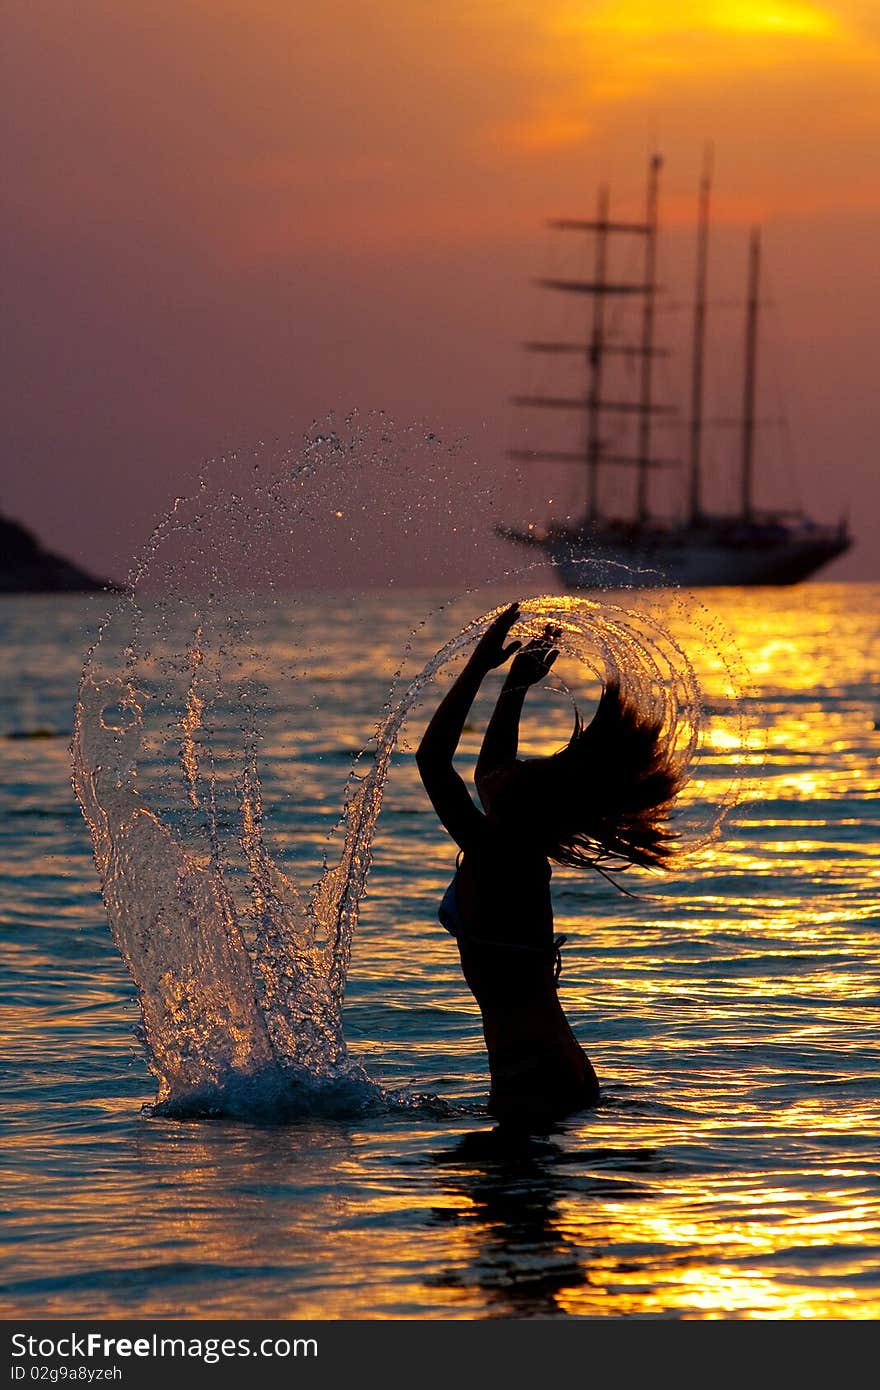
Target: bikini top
(450,917)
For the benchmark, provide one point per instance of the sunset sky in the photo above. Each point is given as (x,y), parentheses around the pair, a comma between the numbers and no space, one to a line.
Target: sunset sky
(226,218)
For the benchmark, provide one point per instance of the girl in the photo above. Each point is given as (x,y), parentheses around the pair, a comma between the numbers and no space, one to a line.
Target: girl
(601,800)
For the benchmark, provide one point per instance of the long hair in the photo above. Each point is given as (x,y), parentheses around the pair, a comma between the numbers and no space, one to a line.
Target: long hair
(608,793)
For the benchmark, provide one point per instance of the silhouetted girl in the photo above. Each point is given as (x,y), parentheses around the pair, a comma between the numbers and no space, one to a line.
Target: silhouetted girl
(601,800)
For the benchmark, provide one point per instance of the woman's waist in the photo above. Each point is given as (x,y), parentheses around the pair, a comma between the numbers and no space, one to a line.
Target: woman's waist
(507,969)
(508,977)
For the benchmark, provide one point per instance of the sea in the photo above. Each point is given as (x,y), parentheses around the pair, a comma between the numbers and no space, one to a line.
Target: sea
(731,1007)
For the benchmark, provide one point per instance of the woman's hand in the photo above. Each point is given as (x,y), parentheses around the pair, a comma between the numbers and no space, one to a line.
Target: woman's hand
(490,651)
(533,661)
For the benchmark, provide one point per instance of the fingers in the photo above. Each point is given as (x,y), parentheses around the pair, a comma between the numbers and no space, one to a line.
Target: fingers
(542,650)
(505,621)
(548,639)
(500,626)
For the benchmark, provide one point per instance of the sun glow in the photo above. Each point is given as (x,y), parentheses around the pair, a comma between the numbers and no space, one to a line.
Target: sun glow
(726,16)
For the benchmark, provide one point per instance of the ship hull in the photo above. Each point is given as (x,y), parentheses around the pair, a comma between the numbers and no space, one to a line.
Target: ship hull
(694,558)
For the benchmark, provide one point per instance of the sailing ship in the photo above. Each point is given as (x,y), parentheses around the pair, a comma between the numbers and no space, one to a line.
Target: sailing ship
(745,546)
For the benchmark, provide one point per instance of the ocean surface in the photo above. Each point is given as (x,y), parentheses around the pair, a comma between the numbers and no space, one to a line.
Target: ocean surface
(731,1010)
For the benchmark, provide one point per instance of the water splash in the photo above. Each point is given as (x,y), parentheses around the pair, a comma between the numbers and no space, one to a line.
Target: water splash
(240,966)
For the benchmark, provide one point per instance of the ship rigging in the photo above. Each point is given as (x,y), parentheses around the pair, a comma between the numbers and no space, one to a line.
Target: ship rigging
(746,546)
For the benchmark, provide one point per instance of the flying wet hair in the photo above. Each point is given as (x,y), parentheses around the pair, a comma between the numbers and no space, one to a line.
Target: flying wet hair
(609,791)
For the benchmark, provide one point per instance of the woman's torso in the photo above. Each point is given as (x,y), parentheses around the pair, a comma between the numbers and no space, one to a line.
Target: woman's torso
(509,960)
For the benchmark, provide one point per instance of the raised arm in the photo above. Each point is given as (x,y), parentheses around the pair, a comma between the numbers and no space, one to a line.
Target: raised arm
(449,795)
(530,665)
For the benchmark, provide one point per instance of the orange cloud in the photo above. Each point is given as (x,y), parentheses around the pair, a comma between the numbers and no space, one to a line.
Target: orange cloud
(536,134)
(785,88)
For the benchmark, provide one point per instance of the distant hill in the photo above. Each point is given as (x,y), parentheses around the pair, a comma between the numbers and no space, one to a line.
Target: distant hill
(26,568)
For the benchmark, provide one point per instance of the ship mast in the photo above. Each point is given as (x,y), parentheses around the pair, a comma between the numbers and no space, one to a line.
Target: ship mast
(748,432)
(594,455)
(644,451)
(595,358)
(695,501)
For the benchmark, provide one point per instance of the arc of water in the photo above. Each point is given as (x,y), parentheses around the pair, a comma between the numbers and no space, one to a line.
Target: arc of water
(216,1013)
